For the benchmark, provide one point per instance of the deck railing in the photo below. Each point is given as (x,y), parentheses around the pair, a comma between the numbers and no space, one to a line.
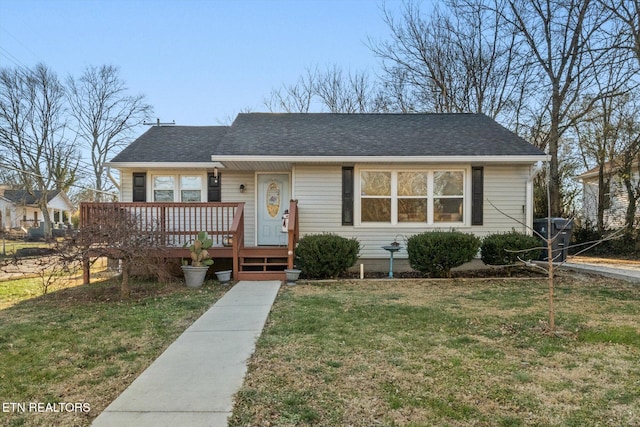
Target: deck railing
(174,223)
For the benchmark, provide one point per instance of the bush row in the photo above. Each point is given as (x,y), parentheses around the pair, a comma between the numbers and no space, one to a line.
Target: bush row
(435,253)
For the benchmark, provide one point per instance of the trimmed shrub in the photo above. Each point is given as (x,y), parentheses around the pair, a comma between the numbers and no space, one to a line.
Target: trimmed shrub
(437,252)
(322,256)
(496,248)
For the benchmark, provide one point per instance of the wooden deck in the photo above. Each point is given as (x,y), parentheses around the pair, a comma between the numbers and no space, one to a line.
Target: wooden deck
(171,225)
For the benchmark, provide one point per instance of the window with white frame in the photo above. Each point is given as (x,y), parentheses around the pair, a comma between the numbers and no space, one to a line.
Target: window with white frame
(163,188)
(412,196)
(188,188)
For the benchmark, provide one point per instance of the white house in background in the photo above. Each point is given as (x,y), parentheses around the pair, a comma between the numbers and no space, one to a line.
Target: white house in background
(368,176)
(18,209)
(616,197)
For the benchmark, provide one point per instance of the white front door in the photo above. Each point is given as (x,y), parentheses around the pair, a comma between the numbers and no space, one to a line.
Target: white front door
(273,200)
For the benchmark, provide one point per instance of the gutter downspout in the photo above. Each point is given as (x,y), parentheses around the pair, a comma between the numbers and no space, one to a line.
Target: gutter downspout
(112,179)
(114,182)
(528,216)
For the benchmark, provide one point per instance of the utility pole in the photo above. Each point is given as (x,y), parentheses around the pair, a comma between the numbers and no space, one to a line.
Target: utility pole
(158,123)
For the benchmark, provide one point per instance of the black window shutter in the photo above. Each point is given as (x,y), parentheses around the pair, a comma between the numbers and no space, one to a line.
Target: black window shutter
(213,188)
(347,195)
(477,195)
(139,187)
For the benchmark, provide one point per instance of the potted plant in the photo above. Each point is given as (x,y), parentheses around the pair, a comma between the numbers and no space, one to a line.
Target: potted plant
(292,275)
(195,273)
(224,276)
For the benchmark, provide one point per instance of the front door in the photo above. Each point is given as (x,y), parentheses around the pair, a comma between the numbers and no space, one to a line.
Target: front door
(273,200)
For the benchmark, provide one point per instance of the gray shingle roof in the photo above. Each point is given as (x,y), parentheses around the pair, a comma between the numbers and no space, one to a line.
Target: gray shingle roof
(324,134)
(371,135)
(23,198)
(174,144)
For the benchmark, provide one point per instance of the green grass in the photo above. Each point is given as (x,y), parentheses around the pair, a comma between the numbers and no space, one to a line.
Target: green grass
(82,344)
(422,353)
(12,246)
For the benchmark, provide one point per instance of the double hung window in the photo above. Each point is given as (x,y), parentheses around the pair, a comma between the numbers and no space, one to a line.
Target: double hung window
(412,196)
(180,188)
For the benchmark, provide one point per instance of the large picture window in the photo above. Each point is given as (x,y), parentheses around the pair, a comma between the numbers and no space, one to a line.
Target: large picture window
(412,196)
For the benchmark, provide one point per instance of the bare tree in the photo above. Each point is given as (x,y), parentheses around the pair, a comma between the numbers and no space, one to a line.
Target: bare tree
(627,12)
(117,233)
(105,115)
(601,132)
(32,133)
(342,92)
(296,98)
(332,90)
(627,163)
(458,59)
(565,40)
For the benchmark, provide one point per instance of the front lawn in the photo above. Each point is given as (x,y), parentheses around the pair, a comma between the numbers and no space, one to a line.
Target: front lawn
(83,346)
(447,353)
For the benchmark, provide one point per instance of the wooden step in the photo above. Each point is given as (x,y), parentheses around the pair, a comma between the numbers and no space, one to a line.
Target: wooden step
(263,259)
(261,275)
(263,251)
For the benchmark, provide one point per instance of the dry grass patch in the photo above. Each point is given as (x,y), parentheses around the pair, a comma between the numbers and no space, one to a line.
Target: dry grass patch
(83,345)
(446,352)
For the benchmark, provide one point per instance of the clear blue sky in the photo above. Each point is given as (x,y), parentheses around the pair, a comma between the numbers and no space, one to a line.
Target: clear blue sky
(198,62)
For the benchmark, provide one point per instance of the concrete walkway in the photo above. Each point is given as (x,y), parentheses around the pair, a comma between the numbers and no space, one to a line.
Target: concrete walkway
(193,382)
(629,272)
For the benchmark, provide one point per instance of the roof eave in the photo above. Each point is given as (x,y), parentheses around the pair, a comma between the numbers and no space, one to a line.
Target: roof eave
(386,159)
(164,165)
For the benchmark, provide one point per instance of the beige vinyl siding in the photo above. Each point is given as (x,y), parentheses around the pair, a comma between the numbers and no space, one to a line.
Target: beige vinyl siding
(231,181)
(505,187)
(126,185)
(319,193)
(614,217)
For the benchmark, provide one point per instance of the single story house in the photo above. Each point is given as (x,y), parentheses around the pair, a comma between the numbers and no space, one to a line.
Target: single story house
(19,209)
(375,177)
(616,199)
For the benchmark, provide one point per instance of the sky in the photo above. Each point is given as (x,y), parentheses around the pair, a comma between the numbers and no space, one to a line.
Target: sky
(198,62)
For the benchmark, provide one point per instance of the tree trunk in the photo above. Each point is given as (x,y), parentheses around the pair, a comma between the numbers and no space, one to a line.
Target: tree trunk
(600,207)
(555,197)
(125,290)
(630,214)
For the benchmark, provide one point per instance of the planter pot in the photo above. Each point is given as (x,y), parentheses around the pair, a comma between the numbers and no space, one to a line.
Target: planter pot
(194,276)
(292,276)
(224,276)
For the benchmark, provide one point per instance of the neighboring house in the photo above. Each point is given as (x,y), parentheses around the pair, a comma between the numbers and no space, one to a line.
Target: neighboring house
(19,209)
(376,177)
(616,197)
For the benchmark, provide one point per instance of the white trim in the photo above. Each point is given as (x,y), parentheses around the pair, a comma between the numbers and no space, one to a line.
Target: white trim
(165,165)
(177,189)
(383,159)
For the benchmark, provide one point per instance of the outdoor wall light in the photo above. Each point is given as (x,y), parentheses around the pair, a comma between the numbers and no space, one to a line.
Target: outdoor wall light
(242,188)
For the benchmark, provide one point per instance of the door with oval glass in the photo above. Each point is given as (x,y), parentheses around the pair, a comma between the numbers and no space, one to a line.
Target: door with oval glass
(273,200)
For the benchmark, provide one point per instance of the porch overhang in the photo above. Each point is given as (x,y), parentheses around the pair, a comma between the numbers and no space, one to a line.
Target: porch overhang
(235,162)
(165,165)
